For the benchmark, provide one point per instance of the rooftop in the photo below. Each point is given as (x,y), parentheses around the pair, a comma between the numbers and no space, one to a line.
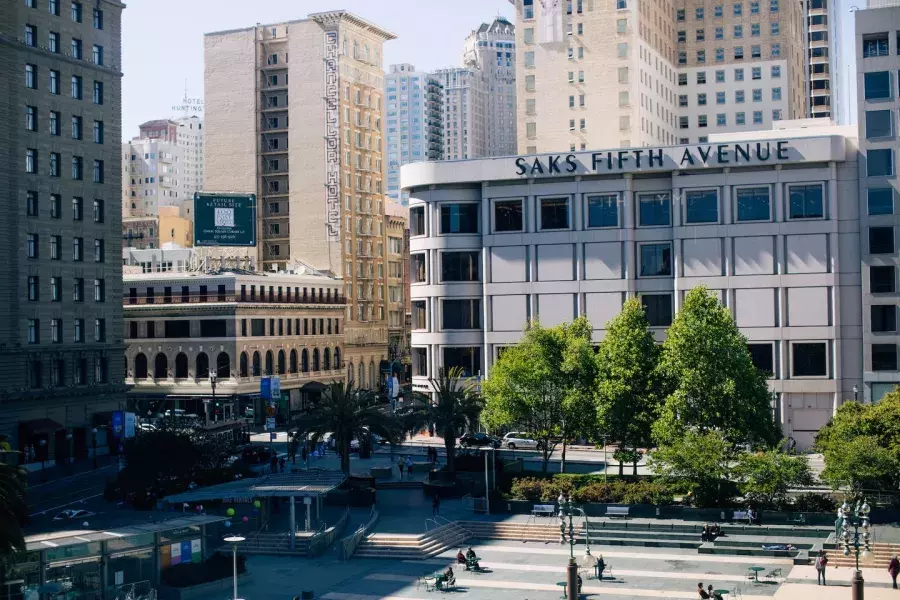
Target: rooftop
(74,537)
(312,483)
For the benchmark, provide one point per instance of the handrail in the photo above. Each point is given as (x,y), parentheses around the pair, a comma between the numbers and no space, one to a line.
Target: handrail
(349,543)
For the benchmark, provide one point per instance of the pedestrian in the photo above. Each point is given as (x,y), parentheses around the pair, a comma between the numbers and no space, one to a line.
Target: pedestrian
(750,515)
(894,570)
(400,464)
(303,453)
(281,463)
(601,566)
(408,467)
(435,505)
(821,563)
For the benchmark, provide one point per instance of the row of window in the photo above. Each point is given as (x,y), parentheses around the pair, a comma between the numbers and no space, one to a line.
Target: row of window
(55,166)
(33,207)
(54,123)
(58,372)
(56,331)
(755,74)
(739,97)
(247,294)
(737,10)
(740,118)
(56,289)
(33,245)
(737,32)
(54,45)
(77,11)
(286,363)
(218,328)
(55,84)
(755,52)
(751,203)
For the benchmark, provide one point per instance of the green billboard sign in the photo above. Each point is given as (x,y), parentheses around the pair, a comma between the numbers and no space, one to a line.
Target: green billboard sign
(224,219)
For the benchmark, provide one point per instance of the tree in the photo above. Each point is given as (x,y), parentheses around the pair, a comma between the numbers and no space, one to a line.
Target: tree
(627,384)
(455,407)
(764,478)
(861,445)
(13,509)
(699,461)
(709,379)
(544,384)
(349,413)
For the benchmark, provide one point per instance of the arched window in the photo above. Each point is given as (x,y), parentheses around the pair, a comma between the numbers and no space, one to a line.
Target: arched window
(355,49)
(371,375)
(315,366)
(270,359)
(344,46)
(245,371)
(349,369)
(281,362)
(337,358)
(160,367)
(181,366)
(362,376)
(202,371)
(223,365)
(140,366)
(257,365)
(304,360)
(365,55)
(326,359)
(293,361)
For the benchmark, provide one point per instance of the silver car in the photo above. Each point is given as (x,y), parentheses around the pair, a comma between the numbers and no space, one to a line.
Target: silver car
(517,439)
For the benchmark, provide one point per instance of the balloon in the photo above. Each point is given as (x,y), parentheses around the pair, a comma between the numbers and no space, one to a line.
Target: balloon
(246,519)
(227,523)
(256,504)
(230,512)
(255,511)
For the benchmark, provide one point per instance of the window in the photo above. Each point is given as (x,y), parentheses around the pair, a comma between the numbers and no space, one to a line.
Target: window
(810,359)
(883,318)
(880,163)
(877,85)
(682,79)
(460,266)
(31,36)
(76,127)
(878,124)
(508,215)
(656,260)
(738,32)
(97,54)
(31,118)
(31,77)
(55,247)
(78,290)
(881,201)
(76,49)
(99,290)
(753,204)
(756,73)
(702,121)
(701,77)
(884,357)
(56,331)
(31,160)
(775,27)
(529,83)
(554,213)
(416,221)
(757,117)
(54,122)
(34,288)
(757,95)
(55,164)
(806,201)
(528,9)
(700,35)
(702,206)
(459,218)
(100,330)
(461,314)
(739,53)
(76,12)
(654,210)
(658,309)
(739,76)
(881,240)
(34,331)
(32,245)
(738,9)
(78,249)
(683,124)
(776,50)
(98,171)
(720,78)
(98,18)
(701,99)
(77,209)
(417,268)
(754,30)
(98,132)
(682,100)
(55,83)
(739,118)
(529,60)
(76,87)
(720,57)
(679,14)
(31,203)
(53,7)
(78,331)
(762,356)
(98,251)
(776,93)
(699,13)
(881,280)
(603,210)
(776,71)
(98,92)
(721,119)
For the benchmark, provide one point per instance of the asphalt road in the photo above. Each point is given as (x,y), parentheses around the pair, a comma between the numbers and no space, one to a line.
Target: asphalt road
(81,490)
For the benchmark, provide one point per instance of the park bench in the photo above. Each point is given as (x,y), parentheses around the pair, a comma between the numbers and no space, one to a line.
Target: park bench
(546,510)
(739,515)
(617,511)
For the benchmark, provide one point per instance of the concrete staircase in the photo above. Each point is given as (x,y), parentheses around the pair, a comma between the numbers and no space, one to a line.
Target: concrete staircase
(878,558)
(547,531)
(275,543)
(413,547)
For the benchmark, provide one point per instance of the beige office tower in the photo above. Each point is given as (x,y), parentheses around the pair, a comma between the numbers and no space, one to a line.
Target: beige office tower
(293,113)
(617,73)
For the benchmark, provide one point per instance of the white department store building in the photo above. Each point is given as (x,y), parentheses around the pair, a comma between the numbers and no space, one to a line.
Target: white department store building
(769,220)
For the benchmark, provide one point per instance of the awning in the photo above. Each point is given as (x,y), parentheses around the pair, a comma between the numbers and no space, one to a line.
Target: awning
(103,419)
(308,482)
(313,386)
(40,426)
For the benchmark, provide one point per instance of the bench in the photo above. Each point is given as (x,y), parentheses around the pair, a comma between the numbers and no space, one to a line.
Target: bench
(798,519)
(739,515)
(547,510)
(617,511)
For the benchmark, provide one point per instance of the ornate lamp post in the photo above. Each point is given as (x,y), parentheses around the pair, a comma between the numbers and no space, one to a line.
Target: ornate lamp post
(852,520)
(572,567)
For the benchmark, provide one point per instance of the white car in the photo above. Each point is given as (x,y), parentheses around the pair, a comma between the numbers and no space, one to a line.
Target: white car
(515,439)
(73,514)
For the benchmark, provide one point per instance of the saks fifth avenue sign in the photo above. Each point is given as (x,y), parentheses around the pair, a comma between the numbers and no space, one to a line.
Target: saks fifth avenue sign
(673,158)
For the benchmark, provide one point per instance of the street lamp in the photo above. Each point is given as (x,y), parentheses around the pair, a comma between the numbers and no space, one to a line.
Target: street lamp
(855,393)
(234,540)
(856,518)
(566,509)
(68,453)
(94,444)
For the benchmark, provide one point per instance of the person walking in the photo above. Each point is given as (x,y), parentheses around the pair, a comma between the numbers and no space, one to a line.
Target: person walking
(435,505)
(408,467)
(894,569)
(821,563)
(400,464)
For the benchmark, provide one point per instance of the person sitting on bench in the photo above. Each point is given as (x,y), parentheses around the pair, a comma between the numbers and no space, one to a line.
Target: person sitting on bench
(715,531)
(460,557)
(712,594)
(705,535)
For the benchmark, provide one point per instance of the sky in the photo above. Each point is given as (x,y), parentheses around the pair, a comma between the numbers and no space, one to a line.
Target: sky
(162,40)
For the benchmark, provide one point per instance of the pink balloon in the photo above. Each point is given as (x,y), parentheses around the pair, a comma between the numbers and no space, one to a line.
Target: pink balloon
(245,519)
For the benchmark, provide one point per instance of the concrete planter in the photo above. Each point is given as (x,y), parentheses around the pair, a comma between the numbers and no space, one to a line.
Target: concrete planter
(204,590)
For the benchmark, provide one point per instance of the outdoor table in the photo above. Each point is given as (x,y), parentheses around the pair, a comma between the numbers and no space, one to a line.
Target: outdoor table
(722,593)
(563,584)
(756,571)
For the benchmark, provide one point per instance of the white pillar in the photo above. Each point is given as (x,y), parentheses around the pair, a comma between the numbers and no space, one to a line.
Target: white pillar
(293,522)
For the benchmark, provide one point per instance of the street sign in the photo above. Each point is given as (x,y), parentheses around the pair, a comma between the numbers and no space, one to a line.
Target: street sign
(270,388)
(224,219)
(272,436)
(270,423)
(270,411)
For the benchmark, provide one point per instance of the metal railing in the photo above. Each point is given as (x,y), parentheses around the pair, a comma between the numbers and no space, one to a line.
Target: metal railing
(438,523)
(349,543)
(324,538)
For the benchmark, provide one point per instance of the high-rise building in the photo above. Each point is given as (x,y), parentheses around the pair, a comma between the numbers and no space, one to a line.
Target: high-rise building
(824,61)
(414,124)
(623,73)
(877,64)
(293,114)
(490,52)
(396,223)
(61,347)
(464,109)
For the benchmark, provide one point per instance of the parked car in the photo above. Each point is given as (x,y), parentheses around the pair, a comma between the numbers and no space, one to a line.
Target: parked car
(254,455)
(478,440)
(72,513)
(517,439)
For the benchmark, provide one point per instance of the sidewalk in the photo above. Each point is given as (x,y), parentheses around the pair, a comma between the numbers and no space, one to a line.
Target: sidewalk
(53,472)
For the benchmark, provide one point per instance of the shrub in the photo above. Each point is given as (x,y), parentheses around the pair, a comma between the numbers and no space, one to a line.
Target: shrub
(584,489)
(811,502)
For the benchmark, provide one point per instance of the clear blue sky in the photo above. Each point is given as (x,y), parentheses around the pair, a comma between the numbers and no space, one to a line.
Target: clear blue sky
(163,39)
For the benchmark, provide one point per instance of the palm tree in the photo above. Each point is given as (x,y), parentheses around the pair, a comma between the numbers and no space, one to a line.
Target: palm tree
(348,413)
(13,509)
(456,406)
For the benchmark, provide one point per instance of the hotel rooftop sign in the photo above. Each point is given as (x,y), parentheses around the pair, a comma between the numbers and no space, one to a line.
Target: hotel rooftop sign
(733,154)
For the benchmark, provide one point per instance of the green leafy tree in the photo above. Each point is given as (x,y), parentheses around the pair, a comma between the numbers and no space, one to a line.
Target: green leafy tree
(861,445)
(709,379)
(764,478)
(544,384)
(13,510)
(455,407)
(627,384)
(698,461)
(349,413)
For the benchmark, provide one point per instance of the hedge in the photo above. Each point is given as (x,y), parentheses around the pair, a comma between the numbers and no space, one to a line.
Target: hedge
(583,489)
